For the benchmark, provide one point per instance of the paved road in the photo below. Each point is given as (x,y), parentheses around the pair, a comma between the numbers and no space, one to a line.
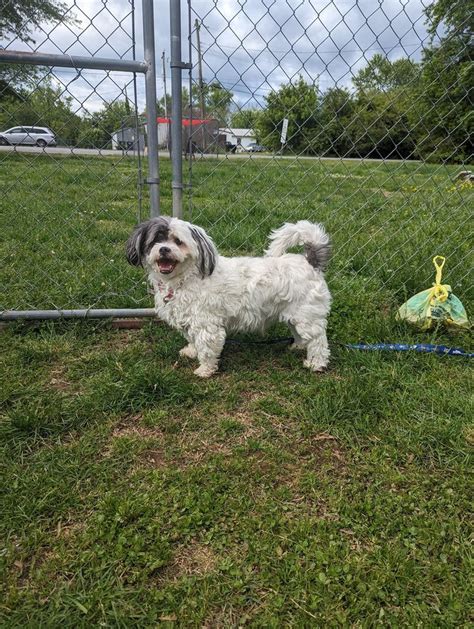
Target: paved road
(58,150)
(64,150)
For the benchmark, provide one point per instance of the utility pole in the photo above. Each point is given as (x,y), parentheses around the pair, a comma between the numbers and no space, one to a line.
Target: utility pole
(164,84)
(201,83)
(165,99)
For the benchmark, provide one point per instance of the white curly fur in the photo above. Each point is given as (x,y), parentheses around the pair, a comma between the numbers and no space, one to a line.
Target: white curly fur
(242,294)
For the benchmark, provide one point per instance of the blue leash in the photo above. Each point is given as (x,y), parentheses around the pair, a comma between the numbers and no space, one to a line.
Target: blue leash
(426,348)
(415,347)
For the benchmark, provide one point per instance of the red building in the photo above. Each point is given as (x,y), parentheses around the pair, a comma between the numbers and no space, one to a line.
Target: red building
(202,134)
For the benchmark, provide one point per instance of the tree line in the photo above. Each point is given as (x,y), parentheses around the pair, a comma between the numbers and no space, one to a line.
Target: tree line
(398,109)
(393,109)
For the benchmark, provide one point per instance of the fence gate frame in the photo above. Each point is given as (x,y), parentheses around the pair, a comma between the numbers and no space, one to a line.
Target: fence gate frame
(147,67)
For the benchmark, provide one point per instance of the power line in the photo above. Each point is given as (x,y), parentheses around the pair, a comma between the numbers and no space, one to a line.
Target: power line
(315,50)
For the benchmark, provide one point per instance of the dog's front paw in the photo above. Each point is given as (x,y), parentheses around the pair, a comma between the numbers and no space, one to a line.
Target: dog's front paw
(314,366)
(205,371)
(188,352)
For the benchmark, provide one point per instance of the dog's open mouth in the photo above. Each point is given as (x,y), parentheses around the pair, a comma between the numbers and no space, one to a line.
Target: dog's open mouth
(166,266)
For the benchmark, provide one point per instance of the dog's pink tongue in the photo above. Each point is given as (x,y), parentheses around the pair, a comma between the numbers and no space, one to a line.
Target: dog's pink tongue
(166,266)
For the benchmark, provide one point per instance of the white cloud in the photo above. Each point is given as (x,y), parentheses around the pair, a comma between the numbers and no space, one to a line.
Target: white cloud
(255,46)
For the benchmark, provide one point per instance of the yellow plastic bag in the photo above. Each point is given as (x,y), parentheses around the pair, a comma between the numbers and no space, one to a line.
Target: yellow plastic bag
(435,305)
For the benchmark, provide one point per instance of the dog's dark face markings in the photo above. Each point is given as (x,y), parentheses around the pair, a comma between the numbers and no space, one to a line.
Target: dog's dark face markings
(145,236)
(164,243)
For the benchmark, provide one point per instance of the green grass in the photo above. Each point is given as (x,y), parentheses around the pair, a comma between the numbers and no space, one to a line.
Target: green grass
(136,495)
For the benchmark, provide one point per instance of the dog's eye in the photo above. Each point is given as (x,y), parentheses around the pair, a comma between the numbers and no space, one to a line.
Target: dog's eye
(178,242)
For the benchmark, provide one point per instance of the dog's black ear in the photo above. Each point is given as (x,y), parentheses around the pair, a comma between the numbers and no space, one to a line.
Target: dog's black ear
(144,237)
(135,245)
(207,252)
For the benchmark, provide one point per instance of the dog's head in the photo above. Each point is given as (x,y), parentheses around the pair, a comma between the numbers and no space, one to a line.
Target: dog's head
(168,246)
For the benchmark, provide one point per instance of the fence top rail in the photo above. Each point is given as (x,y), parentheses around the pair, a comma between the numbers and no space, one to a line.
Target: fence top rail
(72,61)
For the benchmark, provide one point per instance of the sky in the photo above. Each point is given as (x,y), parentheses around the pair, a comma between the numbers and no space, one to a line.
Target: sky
(250,46)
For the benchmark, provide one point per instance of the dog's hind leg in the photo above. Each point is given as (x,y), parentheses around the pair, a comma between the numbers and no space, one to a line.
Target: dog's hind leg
(313,334)
(298,343)
(318,350)
(209,343)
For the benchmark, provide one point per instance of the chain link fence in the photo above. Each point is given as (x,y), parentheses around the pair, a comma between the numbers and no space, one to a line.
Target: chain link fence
(355,114)
(72,144)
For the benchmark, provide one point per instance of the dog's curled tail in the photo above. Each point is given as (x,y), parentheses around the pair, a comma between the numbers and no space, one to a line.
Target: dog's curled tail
(312,236)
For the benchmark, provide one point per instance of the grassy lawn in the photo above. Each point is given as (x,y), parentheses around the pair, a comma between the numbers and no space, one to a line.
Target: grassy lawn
(136,495)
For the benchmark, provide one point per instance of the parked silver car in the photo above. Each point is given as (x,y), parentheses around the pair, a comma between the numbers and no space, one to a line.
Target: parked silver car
(255,148)
(39,136)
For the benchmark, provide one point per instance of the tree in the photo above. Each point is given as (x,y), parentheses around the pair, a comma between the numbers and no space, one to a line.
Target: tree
(298,103)
(17,80)
(382,74)
(19,17)
(97,128)
(217,101)
(379,126)
(336,111)
(160,104)
(91,137)
(455,15)
(444,117)
(245,119)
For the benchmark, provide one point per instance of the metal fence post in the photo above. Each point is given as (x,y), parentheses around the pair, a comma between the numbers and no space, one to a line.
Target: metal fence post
(176,107)
(153,179)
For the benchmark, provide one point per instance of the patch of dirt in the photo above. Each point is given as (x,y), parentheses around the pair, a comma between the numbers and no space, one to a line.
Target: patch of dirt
(469,435)
(228,616)
(130,426)
(386,193)
(324,448)
(356,544)
(251,430)
(191,449)
(155,457)
(196,447)
(195,559)
(23,570)
(197,451)
(58,379)
(121,338)
(386,310)
(65,530)
(291,477)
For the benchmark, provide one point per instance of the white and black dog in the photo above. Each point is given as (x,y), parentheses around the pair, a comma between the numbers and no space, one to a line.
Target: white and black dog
(205,295)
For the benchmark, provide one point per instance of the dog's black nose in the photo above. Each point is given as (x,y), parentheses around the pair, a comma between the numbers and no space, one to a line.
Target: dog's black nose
(164,251)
